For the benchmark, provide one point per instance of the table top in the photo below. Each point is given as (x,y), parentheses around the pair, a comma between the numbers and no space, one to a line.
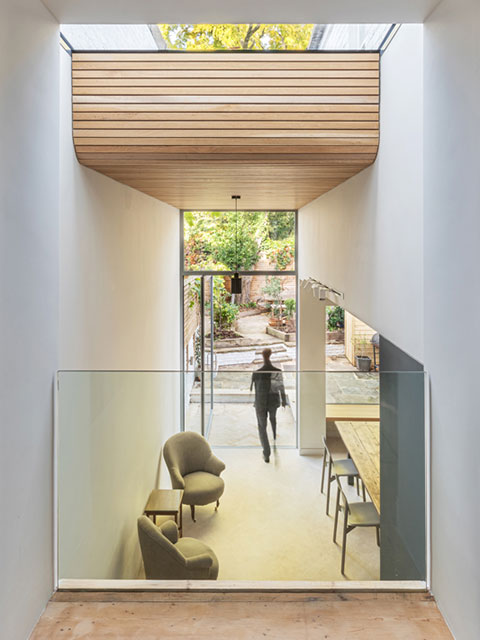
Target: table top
(164,501)
(362,440)
(353,412)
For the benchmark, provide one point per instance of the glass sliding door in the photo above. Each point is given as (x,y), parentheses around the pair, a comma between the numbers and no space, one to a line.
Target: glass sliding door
(208,368)
(225,333)
(198,354)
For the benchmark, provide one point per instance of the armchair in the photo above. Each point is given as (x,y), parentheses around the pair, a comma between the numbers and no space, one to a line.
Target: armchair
(168,557)
(194,468)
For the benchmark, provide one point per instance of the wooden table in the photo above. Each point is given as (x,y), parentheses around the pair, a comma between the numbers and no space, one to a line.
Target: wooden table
(352,412)
(166,502)
(362,441)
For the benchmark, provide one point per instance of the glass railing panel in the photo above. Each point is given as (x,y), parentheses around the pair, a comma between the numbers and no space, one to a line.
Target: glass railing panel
(110,430)
(112,426)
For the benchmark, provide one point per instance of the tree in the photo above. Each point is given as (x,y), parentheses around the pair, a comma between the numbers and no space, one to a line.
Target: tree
(281,225)
(223,240)
(237,243)
(204,37)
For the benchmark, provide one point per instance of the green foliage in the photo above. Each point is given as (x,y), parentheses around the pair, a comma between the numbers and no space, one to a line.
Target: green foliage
(198,349)
(199,230)
(224,311)
(361,345)
(280,253)
(236,245)
(225,314)
(281,225)
(335,318)
(225,241)
(205,37)
(215,240)
(251,304)
(290,306)
(193,288)
(273,288)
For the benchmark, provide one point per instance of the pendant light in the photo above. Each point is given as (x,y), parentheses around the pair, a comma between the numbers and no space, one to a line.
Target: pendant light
(236,281)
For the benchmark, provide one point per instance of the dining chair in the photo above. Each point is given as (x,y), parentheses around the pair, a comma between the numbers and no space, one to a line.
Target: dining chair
(355,514)
(344,467)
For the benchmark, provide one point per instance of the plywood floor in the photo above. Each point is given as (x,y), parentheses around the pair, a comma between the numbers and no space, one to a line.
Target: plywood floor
(241,616)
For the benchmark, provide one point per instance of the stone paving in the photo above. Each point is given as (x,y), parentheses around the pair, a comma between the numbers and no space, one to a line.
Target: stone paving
(233,416)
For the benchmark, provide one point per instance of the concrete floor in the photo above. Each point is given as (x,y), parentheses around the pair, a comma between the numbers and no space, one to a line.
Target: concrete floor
(271,524)
(236,425)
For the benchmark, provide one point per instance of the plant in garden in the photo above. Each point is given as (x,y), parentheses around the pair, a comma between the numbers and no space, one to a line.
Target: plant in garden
(197,349)
(225,314)
(281,225)
(193,288)
(290,306)
(273,290)
(335,318)
(280,252)
(224,311)
(237,244)
(361,345)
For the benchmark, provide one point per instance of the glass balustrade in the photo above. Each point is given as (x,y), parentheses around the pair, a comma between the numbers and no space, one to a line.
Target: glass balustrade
(272,523)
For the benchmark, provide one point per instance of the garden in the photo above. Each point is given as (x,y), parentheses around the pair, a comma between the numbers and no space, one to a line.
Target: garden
(246,241)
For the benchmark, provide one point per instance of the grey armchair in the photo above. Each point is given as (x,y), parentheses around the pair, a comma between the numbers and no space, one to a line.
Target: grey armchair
(194,468)
(168,557)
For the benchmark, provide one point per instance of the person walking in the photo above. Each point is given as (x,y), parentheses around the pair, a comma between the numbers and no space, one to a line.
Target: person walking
(269,395)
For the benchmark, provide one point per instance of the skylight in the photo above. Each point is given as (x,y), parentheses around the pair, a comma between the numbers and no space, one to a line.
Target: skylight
(227,37)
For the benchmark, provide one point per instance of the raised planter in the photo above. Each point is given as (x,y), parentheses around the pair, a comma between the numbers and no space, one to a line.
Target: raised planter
(281,335)
(336,336)
(275,322)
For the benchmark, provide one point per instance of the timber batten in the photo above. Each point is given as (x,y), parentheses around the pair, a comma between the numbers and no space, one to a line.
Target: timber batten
(193,128)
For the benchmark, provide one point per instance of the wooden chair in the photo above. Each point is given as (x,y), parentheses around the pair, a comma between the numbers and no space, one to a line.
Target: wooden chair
(343,467)
(355,514)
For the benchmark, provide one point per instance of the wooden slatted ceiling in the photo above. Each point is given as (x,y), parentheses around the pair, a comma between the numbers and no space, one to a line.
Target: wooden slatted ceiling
(192,128)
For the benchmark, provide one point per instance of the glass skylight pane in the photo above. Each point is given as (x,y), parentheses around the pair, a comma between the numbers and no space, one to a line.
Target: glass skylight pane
(113,37)
(348,36)
(226,37)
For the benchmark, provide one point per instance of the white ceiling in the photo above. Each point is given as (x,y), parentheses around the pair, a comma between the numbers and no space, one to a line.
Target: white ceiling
(234,11)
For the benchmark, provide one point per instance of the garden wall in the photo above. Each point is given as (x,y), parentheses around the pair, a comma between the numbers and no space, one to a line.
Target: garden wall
(258,282)
(356,331)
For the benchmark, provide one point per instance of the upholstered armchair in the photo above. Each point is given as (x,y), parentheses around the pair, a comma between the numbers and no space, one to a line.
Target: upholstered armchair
(168,557)
(194,468)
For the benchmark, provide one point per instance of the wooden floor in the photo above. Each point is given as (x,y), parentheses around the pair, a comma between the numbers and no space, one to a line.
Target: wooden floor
(336,616)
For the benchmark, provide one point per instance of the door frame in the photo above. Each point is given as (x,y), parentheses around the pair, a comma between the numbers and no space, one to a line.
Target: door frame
(205,273)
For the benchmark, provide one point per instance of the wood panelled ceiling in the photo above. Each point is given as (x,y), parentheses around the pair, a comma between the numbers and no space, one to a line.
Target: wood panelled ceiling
(191,129)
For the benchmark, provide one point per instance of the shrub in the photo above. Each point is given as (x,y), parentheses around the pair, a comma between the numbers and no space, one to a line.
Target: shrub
(335,318)
(225,314)
(280,252)
(290,306)
(273,288)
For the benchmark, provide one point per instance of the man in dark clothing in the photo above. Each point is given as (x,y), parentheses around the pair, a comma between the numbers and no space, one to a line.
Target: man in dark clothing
(269,394)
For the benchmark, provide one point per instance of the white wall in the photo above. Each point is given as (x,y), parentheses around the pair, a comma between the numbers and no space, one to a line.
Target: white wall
(282,11)
(119,310)
(28,308)
(112,428)
(452,304)
(365,237)
(119,267)
(311,360)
